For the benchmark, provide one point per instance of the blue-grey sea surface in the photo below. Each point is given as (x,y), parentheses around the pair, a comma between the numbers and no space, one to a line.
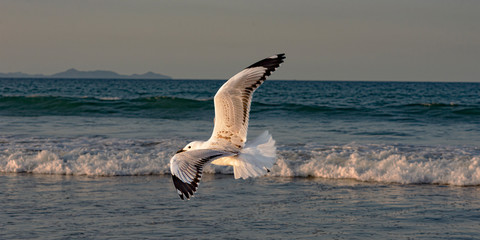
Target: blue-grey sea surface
(89,159)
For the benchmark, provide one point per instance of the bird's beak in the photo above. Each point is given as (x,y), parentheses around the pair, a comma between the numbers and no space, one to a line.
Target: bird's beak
(181,150)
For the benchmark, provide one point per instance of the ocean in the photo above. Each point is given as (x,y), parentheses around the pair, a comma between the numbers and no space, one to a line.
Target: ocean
(89,159)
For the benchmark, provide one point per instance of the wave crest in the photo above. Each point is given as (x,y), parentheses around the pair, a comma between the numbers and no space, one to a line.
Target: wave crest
(174,107)
(402,164)
(392,164)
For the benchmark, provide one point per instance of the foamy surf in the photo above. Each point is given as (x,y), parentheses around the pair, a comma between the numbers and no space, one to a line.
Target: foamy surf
(384,163)
(404,164)
(85,156)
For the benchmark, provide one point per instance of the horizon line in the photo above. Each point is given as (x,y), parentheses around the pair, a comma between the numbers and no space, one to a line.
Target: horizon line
(127,77)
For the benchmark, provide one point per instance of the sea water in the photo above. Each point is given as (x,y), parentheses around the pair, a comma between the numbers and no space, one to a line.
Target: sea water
(89,158)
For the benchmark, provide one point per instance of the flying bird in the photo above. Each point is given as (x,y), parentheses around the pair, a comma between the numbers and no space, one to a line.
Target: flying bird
(228,144)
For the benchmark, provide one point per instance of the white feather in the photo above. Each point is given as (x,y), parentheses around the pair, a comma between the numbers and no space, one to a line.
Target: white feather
(255,159)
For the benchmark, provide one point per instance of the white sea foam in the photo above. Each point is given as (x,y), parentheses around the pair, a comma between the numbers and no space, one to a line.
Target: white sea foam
(112,157)
(92,157)
(395,164)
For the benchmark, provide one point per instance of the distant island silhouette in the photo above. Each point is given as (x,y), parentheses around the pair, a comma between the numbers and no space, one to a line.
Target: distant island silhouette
(99,74)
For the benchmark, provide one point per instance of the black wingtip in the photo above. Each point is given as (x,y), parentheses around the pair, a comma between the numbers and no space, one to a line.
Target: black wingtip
(270,63)
(184,189)
(281,55)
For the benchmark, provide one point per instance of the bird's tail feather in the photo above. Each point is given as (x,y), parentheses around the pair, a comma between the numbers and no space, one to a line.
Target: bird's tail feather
(256,158)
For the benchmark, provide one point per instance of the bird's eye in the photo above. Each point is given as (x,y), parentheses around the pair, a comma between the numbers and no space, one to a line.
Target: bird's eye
(189,147)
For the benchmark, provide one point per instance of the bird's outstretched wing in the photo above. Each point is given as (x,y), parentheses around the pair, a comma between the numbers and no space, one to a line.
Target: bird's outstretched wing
(233,99)
(186,168)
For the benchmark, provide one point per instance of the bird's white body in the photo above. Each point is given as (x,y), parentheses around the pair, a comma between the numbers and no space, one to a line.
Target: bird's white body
(228,144)
(253,160)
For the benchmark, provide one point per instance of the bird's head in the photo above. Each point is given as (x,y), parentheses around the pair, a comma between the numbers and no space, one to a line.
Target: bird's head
(191,146)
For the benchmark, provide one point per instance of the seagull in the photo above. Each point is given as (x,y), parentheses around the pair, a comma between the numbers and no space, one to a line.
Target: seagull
(228,144)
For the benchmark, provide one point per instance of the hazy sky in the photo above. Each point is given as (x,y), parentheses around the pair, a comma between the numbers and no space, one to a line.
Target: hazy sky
(415,40)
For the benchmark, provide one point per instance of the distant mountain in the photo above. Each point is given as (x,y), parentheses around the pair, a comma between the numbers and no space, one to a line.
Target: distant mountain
(74,73)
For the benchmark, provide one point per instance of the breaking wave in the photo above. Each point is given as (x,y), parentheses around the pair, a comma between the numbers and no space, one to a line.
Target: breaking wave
(384,163)
(402,164)
(174,107)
